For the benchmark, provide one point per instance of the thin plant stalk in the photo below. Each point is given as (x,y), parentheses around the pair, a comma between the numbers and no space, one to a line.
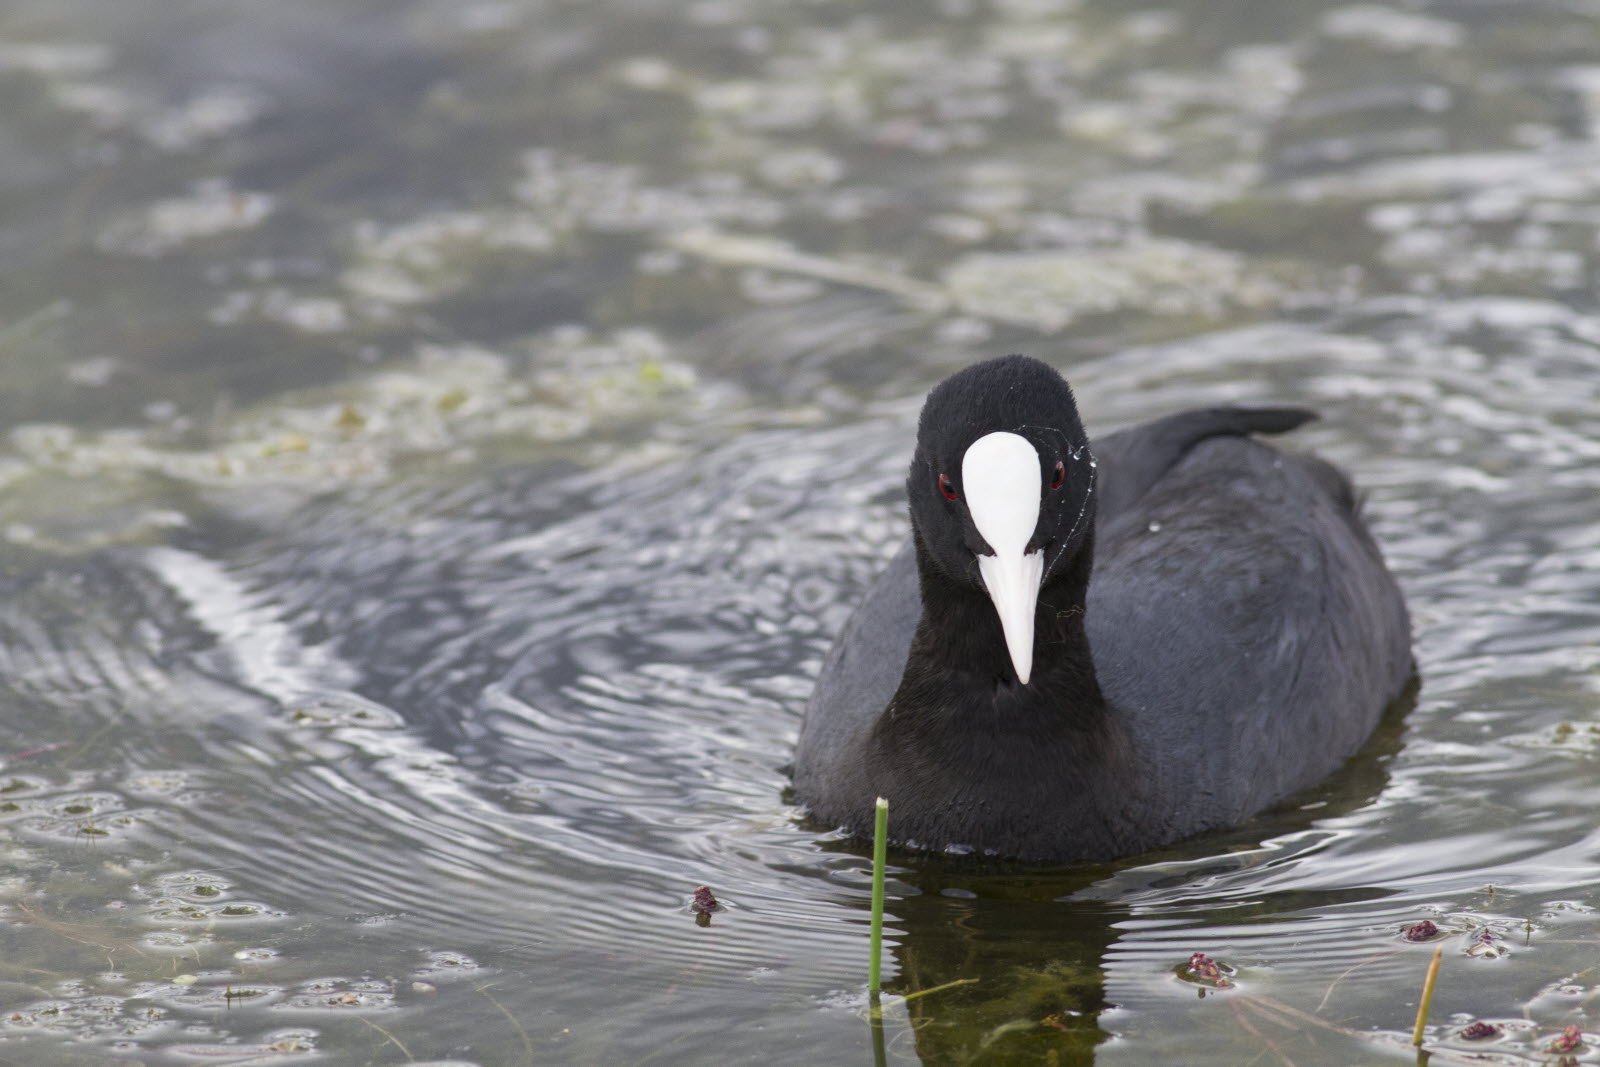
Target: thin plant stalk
(880,851)
(1427,996)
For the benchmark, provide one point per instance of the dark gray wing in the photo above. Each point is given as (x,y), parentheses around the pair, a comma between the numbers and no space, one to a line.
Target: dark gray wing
(1244,623)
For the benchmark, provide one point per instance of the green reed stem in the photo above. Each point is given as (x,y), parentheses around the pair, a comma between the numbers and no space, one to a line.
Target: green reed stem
(880,852)
(1427,996)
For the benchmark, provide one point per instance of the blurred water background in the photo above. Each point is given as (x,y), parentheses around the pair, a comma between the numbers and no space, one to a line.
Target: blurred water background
(440,440)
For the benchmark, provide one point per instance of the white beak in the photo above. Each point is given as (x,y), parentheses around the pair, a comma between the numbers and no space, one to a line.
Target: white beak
(1000,477)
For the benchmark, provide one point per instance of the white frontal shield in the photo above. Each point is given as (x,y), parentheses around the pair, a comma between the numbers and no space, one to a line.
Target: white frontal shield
(1000,479)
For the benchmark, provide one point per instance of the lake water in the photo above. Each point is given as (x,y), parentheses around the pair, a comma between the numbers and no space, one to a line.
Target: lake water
(441,440)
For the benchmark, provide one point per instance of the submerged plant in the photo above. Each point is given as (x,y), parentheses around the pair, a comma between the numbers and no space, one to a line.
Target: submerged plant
(1569,1040)
(880,848)
(1486,942)
(1205,971)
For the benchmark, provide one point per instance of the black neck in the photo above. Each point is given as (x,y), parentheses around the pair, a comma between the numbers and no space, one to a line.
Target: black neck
(970,756)
(959,644)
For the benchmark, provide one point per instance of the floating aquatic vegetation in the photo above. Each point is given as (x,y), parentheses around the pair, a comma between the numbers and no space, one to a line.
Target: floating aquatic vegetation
(344,710)
(1390,28)
(75,815)
(342,993)
(275,1045)
(569,194)
(776,255)
(54,58)
(309,314)
(85,1015)
(801,168)
(443,964)
(212,113)
(553,388)
(435,255)
(1577,738)
(1049,290)
(212,208)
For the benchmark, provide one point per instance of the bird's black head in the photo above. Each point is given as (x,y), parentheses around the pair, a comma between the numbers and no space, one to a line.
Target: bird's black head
(1002,486)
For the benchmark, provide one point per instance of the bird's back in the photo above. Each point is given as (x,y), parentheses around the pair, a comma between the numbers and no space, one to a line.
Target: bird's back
(1243,625)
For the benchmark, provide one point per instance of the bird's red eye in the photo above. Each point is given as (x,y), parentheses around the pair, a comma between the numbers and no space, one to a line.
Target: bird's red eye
(946,488)
(1061,475)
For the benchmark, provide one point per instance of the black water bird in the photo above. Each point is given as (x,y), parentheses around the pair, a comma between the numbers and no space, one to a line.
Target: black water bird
(1090,650)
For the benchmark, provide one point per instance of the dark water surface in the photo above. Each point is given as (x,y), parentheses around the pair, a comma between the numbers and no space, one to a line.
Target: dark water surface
(442,439)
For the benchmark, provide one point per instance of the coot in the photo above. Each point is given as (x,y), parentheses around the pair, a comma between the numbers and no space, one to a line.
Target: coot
(1090,650)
